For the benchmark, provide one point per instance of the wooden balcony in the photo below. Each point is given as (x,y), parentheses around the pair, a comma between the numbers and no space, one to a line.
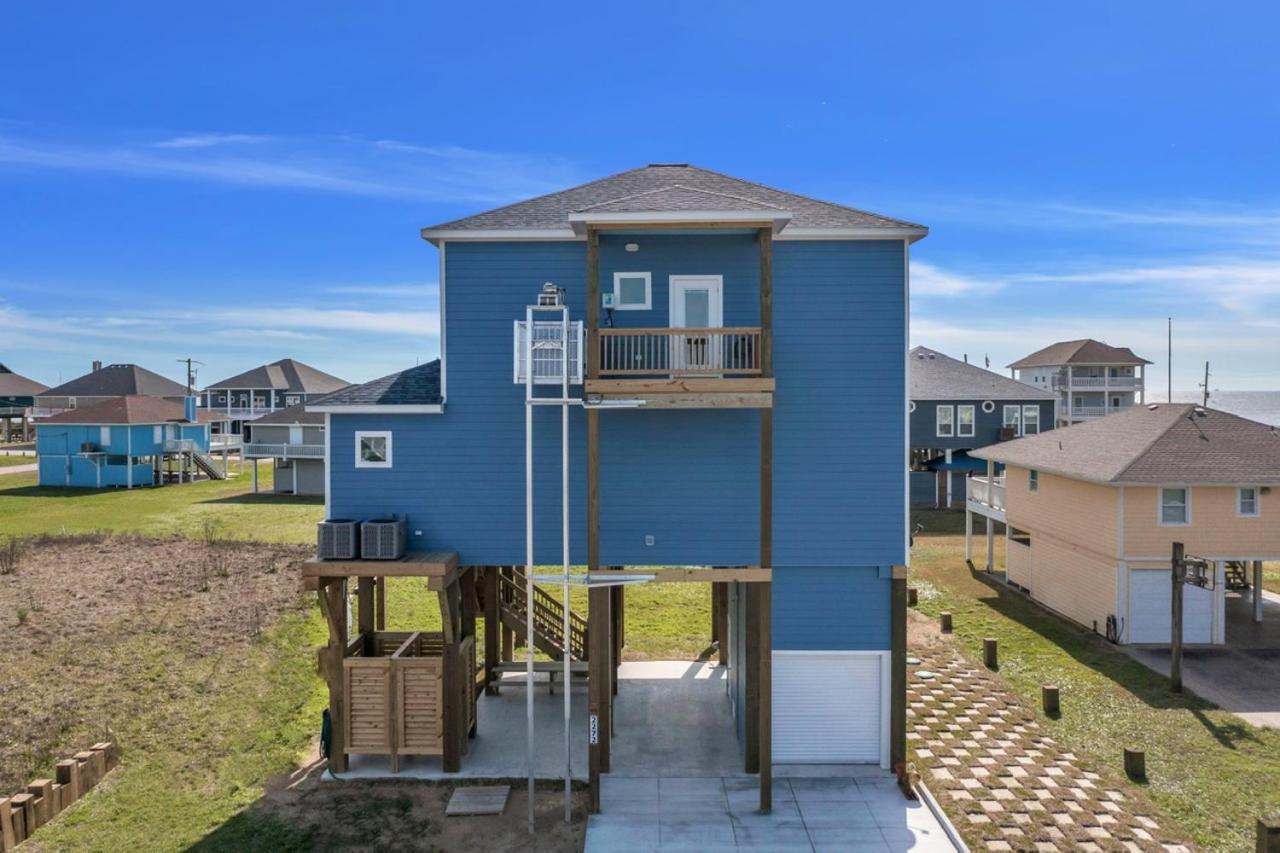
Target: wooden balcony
(682,368)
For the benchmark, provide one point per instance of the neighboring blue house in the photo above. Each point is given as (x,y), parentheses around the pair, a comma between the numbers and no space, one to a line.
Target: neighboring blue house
(957,407)
(128,441)
(744,405)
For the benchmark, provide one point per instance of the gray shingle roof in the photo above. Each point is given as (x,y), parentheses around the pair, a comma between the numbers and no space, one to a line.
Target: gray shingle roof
(130,409)
(1087,351)
(295,414)
(935,376)
(416,386)
(667,188)
(16,385)
(117,380)
(1165,443)
(284,375)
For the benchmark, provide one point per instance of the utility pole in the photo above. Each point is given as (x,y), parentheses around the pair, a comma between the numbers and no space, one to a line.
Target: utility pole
(1175,640)
(191,363)
(1170,400)
(1205,386)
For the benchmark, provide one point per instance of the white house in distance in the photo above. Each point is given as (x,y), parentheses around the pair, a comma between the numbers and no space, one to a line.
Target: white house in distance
(1091,379)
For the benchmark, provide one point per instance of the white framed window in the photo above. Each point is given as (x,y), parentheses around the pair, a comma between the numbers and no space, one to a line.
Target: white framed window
(965,421)
(1012,418)
(373,449)
(1175,507)
(1030,420)
(1247,502)
(946,421)
(104,435)
(988,406)
(1033,481)
(157,434)
(632,291)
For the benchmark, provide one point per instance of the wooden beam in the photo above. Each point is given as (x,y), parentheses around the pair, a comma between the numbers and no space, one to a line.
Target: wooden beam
(364,606)
(333,605)
(417,564)
(381,603)
(764,729)
(599,656)
(720,590)
(760,596)
(695,401)
(750,669)
(898,671)
(673,225)
(492,624)
(690,385)
(746,574)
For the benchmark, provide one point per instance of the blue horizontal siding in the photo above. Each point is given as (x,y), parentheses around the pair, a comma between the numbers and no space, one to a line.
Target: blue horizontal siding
(830,608)
(924,423)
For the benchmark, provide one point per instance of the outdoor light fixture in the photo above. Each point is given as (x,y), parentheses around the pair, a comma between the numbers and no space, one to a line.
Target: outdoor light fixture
(632,247)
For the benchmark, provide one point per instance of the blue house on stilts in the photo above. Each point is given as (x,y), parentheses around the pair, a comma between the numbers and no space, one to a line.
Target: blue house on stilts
(743,423)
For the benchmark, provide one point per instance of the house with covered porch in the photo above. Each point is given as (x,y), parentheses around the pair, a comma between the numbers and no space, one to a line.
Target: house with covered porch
(268,388)
(715,430)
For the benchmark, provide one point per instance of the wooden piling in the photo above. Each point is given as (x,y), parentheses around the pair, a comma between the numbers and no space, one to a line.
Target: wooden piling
(68,775)
(945,622)
(42,790)
(990,653)
(1135,764)
(913,596)
(1049,700)
(7,839)
(24,810)
(1268,835)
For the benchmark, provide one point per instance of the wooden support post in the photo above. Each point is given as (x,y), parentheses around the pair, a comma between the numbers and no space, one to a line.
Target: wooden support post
(898,671)
(455,712)
(380,621)
(333,605)
(721,592)
(1257,591)
(968,535)
(599,665)
(615,646)
(68,776)
(593,758)
(88,778)
(1049,700)
(8,840)
(1135,764)
(991,543)
(760,595)
(42,790)
(750,667)
(365,619)
(508,636)
(944,621)
(764,733)
(990,653)
(1175,622)
(25,804)
(492,629)
(913,596)
(1268,833)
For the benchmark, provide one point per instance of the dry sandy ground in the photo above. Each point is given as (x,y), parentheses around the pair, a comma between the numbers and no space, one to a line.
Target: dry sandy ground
(82,617)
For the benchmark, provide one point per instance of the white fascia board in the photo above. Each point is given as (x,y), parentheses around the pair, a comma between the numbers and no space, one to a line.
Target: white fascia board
(911,233)
(386,409)
(437,235)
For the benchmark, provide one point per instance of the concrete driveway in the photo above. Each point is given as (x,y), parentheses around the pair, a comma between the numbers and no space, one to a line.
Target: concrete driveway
(1244,675)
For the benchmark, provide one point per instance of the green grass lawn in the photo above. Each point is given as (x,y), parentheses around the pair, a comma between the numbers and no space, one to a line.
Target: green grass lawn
(25,508)
(8,461)
(1209,772)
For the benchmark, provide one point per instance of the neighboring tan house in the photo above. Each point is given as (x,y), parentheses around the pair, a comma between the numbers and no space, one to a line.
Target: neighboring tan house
(103,383)
(126,441)
(1092,512)
(1090,378)
(293,439)
(268,388)
(956,406)
(17,398)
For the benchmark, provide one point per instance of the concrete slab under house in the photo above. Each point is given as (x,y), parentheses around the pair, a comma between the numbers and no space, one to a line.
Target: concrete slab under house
(685,326)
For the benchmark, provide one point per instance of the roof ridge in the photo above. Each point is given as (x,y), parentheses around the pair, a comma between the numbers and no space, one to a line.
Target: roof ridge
(669,187)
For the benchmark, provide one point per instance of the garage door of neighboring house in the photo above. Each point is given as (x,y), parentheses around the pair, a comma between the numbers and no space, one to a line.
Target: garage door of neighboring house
(828,707)
(1150,619)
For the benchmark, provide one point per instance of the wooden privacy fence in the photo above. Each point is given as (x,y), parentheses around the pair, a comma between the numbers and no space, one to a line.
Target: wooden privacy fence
(680,352)
(44,799)
(409,694)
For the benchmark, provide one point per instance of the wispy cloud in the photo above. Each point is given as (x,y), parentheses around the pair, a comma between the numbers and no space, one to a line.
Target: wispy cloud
(344,165)
(929,279)
(416,290)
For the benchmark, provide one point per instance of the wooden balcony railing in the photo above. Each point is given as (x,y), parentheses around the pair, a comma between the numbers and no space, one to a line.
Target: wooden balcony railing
(730,351)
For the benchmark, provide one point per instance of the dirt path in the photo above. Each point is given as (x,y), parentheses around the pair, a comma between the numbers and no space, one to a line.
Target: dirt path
(1003,781)
(19,469)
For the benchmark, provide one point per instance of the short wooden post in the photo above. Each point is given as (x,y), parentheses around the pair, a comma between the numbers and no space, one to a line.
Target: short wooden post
(110,754)
(18,818)
(593,758)
(913,596)
(42,790)
(57,802)
(492,630)
(990,653)
(945,620)
(1135,764)
(87,777)
(7,839)
(25,804)
(1268,836)
(1049,700)
(68,775)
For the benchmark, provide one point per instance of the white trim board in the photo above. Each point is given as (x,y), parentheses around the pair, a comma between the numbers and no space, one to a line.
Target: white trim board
(436,236)
(382,409)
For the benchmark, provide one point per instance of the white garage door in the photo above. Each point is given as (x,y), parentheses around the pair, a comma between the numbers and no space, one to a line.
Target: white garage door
(827,707)
(1149,594)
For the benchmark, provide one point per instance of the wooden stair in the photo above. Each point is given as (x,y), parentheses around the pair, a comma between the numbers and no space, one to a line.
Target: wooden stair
(1237,575)
(548,619)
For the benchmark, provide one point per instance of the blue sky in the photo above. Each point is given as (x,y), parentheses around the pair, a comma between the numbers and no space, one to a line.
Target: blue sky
(243,182)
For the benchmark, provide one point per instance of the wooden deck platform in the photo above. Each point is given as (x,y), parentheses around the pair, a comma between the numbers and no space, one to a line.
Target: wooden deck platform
(439,567)
(687,392)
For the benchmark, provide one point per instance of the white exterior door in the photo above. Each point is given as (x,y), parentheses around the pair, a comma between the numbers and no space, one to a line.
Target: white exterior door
(697,302)
(829,707)
(1150,619)
(295,434)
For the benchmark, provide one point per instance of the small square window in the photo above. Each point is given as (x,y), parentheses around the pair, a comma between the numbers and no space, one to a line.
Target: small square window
(965,421)
(1033,480)
(632,291)
(1248,505)
(1175,507)
(1030,420)
(946,421)
(1012,419)
(373,449)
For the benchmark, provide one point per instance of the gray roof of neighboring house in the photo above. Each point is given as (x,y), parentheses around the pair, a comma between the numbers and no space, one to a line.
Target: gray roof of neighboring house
(416,386)
(935,376)
(117,380)
(130,409)
(1087,351)
(1165,443)
(665,188)
(16,385)
(295,414)
(286,374)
